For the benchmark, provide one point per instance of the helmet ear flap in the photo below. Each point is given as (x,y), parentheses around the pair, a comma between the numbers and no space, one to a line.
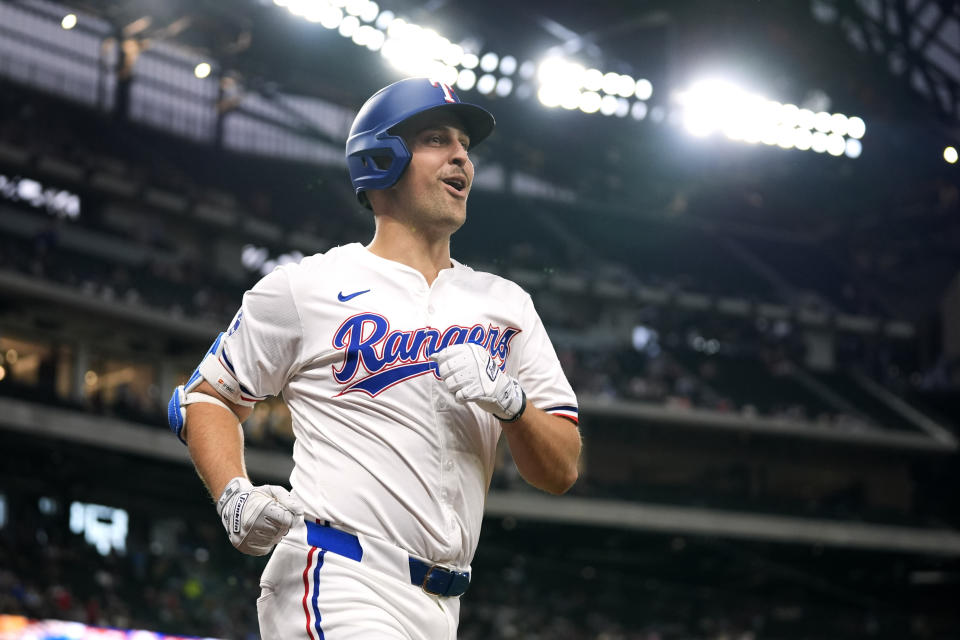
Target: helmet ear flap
(377,162)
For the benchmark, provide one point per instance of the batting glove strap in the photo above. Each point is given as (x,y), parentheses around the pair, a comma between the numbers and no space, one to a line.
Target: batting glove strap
(256,518)
(471,375)
(523,406)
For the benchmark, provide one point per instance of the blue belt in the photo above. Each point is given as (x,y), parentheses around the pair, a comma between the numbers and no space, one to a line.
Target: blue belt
(434,579)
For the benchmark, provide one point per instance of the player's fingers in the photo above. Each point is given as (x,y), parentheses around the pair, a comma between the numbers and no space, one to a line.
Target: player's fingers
(446,363)
(444,355)
(285,500)
(281,520)
(443,368)
(456,382)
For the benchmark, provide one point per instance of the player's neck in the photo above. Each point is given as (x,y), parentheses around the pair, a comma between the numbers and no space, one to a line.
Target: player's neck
(428,255)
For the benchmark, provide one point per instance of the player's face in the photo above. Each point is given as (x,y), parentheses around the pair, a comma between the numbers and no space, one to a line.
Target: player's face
(433,190)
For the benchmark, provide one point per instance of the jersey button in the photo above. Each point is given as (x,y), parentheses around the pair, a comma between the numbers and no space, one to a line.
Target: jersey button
(448,465)
(430,309)
(441,404)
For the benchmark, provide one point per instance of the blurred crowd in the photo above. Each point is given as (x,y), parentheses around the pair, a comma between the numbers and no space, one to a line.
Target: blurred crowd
(49,572)
(193,583)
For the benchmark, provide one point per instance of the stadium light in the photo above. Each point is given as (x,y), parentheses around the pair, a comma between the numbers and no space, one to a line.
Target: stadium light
(370,11)
(384,20)
(571,100)
(822,122)
(611,82)
(950,155)
(836,146)
(466,80)
(854,148)
(623,108)
(489,62)
(626,86)
(819,142)
(453,55)
(348,26)
(486,83)
(644,89)
(590,101)
(856,128)
(716,106)
(356,7)
(608,105)
(550,96)
(593,80)
(331,17)
(202,70)
(414,50)
(69,21)
(375,39)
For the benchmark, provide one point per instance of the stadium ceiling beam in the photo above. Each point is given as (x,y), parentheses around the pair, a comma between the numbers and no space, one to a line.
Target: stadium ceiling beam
(211,32)
(915,38)
(299,124)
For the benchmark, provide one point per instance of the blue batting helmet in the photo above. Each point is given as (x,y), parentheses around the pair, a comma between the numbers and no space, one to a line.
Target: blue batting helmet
(370,138)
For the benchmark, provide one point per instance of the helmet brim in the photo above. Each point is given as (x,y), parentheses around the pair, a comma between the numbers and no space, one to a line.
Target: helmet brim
(478,121)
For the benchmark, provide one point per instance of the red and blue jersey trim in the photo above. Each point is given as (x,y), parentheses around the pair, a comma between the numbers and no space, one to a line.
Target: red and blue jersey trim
(245,394)
(565,411)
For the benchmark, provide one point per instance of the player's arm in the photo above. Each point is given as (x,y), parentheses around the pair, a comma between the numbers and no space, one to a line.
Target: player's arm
(207,417)
(215,439)
(546,449)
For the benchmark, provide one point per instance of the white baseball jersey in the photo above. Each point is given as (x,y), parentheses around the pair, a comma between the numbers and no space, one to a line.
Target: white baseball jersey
(382,448)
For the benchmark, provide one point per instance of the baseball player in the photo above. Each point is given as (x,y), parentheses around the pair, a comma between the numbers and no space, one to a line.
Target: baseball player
(401,368)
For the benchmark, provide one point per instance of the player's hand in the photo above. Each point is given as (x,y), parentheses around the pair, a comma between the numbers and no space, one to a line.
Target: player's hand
(256,518)
(471,375)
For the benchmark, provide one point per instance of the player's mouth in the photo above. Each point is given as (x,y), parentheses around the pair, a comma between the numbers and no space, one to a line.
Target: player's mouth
(456,185)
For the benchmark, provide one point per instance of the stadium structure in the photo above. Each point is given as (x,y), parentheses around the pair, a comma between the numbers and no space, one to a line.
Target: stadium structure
(740,222)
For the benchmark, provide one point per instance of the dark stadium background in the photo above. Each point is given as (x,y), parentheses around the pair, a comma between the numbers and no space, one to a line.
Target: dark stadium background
(765,342)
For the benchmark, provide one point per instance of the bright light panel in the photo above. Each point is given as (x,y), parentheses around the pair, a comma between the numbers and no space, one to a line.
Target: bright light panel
(486,83)
(644,89)
(716,106)
(416,51)
(489,62)
(466,80)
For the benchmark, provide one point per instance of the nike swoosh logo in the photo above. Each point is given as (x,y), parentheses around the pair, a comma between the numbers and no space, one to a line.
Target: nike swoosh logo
(344,298)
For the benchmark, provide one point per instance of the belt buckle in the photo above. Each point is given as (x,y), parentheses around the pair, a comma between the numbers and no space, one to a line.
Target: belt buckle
(426,578)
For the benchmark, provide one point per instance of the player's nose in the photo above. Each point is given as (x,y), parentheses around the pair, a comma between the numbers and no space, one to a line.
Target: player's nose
(459,155)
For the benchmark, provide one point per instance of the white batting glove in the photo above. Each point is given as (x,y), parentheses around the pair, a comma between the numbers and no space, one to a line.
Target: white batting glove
(471,375)
(256,518)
